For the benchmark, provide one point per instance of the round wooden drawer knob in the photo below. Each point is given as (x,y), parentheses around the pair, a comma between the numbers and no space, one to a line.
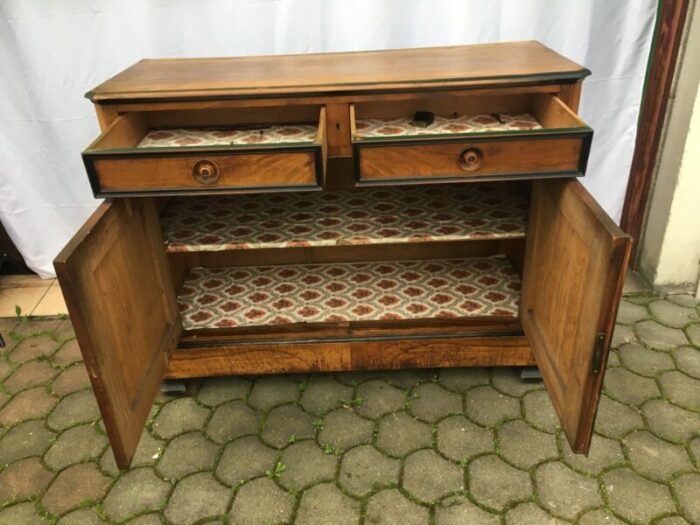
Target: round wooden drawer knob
(206,171)
(470,159)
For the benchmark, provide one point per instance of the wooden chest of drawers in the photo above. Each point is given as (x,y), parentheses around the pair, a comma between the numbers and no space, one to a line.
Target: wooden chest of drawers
(286,214)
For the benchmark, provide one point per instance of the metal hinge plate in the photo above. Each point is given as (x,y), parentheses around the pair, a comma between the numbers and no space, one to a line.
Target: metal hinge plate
(598,351)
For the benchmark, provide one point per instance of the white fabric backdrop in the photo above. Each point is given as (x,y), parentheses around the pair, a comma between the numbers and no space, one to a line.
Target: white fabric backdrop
(51,53)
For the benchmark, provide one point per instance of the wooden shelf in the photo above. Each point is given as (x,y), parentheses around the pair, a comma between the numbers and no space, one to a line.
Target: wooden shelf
(348,292)
(367,216)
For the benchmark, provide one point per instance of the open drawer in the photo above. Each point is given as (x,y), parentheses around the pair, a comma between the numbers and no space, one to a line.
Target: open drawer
(176,152)
(128,316)
(472,137)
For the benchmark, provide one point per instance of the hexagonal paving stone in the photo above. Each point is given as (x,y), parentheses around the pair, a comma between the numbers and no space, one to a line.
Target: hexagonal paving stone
(24,513)
(695,449)
(681,389)
(195,498)
(539,411)
(654,458)
(359,376)
(390,507)
(621,335)
(29,404)
(343,429)
(659,336)
(363,470)
(68,353)
(523,446)
(71,380)
(24,440)
(152,519)
(458,438)
(218,390)
(598,517)
(431,402)
(495,484)
(507,381)
(672,314)
(244,459)
(83,517)
(186,454)
(628,387)
(488,407)
(232,420)
(73,486)
(530,514)
(429,477)
(323,394)
(76,445)
(641,360)
(261,501)
(688,359)
(27,375)
(286,421)
(615,420)
(270,391)
(178,416)
(693,333)
(630,313)
(687,489)
(400,434)
(409,378)
(635,498)
(458,510)
(379,398)
(613,358)
(137,491)
(604,453)
(33,347)
(24,479)
(79,407)
(305,464)
(671,422)
(324,504)
(148,451)
(463,379)
(683,299)
(565,492)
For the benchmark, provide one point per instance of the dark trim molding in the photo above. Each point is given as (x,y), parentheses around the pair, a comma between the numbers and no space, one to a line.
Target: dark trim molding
(668,34)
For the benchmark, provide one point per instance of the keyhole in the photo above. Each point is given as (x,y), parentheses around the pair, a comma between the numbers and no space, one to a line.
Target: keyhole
(337,126)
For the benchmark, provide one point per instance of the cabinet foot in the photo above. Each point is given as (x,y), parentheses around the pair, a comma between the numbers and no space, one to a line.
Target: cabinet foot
(173,386)
(530,373)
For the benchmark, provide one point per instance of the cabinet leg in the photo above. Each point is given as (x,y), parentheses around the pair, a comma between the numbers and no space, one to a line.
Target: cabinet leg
(530,373)
(173,386)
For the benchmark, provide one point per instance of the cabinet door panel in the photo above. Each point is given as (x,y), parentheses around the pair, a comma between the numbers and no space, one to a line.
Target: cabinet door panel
(574,270)
(116,284)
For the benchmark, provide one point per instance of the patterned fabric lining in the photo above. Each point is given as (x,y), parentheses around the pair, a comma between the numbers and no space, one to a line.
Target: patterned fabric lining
(176,138)
(335,292)
(382,128)
(367,216)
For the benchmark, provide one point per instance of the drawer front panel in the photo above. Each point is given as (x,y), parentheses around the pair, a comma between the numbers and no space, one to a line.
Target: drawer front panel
(113,175)
(428,161)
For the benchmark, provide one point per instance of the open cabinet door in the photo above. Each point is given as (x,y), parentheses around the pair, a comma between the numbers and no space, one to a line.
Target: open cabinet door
(575,263)
(117,287)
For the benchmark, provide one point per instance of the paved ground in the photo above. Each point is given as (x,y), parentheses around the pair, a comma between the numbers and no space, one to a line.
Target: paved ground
(445,447)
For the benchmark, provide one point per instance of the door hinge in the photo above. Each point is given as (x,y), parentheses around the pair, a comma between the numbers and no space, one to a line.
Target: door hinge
(598,352)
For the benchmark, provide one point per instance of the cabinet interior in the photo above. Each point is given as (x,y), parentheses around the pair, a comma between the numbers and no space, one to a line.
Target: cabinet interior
(444,256)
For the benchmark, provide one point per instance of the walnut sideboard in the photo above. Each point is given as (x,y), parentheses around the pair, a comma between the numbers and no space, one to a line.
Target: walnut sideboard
(294,213)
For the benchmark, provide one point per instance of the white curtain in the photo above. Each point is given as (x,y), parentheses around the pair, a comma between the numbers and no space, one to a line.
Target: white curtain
(51,53)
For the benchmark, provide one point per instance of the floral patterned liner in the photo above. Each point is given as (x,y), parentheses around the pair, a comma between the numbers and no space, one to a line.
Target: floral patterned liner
(345,292)
(177,138)
(403,127)
(365,216)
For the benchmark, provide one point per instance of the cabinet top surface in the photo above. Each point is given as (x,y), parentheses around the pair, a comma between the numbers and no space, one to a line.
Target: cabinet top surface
(482,65)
